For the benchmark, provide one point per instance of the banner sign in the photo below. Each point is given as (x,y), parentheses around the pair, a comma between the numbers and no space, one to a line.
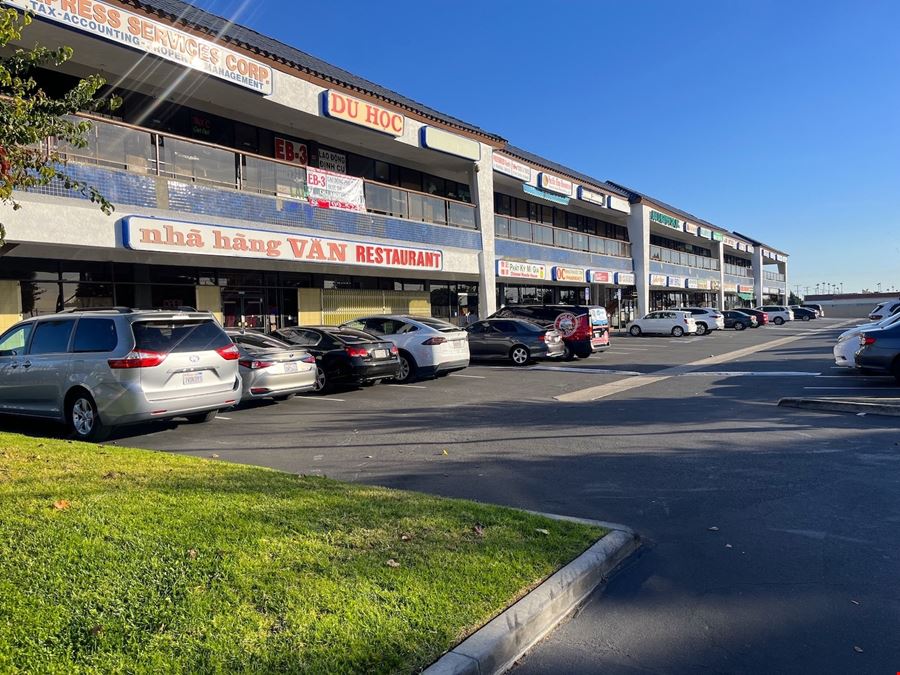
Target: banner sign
(718,236)
(444,141)
(329,190)
(699,284)
(586,195)
(731,288)
(573,274)
(140,233)
(547,181)
(549,196)
(521,270)
(676,282)
(153,37)
(290,151)
(511,167)
(690,228)
(705,232)
(332,161)
(729,241)
(362,113)
(692,284)
(744,288)
(600,277)
(667,221)
(619,204)
(625,279)
(659,280)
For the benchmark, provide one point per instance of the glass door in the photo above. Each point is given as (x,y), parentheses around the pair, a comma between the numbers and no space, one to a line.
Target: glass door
(244,309)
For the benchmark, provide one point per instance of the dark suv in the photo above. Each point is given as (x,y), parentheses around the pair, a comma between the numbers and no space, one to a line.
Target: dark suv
(584,328)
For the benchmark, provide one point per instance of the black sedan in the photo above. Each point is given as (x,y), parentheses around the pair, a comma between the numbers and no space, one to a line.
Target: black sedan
(803,313)
(738,320)
(515,340)
(344,356)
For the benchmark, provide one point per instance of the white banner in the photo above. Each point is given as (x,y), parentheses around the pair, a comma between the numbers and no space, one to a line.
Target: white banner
(329,190)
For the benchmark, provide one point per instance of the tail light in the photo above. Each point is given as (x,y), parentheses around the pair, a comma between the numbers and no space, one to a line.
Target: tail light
(542,337)
(138,359)
(866,340)
(435,341)
(309,358)
(357,351)
(255,364)
(394,350)
(229,353)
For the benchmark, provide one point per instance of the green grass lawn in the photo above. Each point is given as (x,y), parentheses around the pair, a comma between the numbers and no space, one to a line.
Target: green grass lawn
(115,559)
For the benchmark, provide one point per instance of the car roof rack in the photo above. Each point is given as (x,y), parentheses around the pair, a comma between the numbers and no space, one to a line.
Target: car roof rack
(120,310)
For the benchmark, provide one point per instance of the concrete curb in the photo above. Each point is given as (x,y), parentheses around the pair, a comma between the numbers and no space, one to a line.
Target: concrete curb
(494,647)
(842,405)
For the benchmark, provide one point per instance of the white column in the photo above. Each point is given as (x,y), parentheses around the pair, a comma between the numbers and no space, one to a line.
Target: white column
(481,184)
(639,234)
(758,275)
(720,299)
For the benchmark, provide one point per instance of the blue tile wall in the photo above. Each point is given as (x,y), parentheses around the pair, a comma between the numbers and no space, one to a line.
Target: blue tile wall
(743,281)
(118,187)
(682,271)
(508,248)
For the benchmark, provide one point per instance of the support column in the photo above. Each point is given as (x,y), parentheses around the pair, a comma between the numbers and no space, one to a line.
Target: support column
(639,234)
(10,303)
(758,276)
(782,269)
(720,296)
(481,185)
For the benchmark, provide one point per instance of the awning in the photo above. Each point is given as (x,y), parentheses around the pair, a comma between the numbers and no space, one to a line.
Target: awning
(745,296)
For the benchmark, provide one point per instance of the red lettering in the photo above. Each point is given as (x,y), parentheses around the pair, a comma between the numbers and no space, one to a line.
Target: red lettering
(369,255)
(420,260)
(316,252)
(230,61)
(352,108)
(371,115)
(298,247)
(337,104)
(360,253)
(397,124)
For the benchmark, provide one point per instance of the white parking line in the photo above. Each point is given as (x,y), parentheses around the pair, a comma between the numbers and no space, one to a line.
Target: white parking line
(471,377)
(848,388)
(748,373)
(219,417)
(574,369)
(857,377)
(408,386)
(321,398)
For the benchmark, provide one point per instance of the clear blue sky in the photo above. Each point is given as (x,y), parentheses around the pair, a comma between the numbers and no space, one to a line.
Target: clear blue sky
(778,119)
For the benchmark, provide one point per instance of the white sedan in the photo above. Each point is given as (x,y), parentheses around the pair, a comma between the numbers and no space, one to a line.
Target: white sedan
(848,342)
(428,347)
(664,322)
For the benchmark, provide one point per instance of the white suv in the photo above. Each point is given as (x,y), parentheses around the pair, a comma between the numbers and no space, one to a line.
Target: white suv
(707,318)
(428,347)
(778,314)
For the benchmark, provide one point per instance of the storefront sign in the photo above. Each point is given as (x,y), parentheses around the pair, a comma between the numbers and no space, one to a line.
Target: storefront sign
(667,221)
(718,236)
(549,196)
(690,228)
(600,277)
(744,288)
(731,288)
(625,279)
(573,274)
(715,285)
(547,181)
(676,282)
(289,151)
(362,113)
(332,161)
(329,190)
(140,233)
(692,283)
(699,284)
(443,141)
(511,167)
(521,270)
(659,280)
(153,37)
(586,195)
(729,241)
(705,232)
(619,204)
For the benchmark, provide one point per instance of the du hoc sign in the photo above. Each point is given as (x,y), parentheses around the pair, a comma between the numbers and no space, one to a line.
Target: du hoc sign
(153,37)
(170,236)
(362,113)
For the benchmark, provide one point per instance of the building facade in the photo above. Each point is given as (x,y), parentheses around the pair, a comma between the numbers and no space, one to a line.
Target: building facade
(271,188)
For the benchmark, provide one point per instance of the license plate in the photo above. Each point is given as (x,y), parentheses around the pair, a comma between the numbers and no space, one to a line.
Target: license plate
(192,378)
(458,345)
(381,353)
(290,367)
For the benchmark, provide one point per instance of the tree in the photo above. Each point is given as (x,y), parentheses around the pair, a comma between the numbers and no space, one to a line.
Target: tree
(794,300)
(28,116)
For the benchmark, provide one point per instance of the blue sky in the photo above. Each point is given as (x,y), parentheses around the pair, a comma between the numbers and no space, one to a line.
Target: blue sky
(777,119)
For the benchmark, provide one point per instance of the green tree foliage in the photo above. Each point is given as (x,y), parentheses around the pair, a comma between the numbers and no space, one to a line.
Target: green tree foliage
(28,116)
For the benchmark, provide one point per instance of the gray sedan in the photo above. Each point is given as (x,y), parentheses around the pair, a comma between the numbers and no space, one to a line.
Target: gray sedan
(271,368)
(515,340)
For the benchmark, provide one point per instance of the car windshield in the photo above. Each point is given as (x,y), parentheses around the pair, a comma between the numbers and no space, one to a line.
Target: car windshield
(169,336)
(350,336)
(437,324)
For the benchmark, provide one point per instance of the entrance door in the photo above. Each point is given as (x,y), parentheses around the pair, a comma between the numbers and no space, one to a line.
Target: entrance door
(244,309)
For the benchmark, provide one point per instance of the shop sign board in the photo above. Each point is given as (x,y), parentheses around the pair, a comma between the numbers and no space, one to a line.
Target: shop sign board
(718,236)
(140,233)
(332,161)
(600,277)
(730,241)
(659,280)
(705,232)
(597,198)
(329,190)
(699,284)
(666,220)
(625,278)
(451,144)
(548,196)
(116,24)
(715,285)
(573,274)
(509,166)
(676,282)
(731,288)
(692,283)
(362,113)
(744,288)
(290,151)
(619,204)
(690,228)
(547,181)
(521,270)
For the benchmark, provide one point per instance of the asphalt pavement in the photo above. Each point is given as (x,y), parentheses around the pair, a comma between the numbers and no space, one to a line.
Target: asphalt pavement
(771,533)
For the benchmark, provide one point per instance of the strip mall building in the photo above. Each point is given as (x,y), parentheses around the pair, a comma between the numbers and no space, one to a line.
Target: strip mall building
(255,181)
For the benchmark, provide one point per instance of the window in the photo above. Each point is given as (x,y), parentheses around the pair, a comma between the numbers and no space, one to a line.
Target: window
(304,338)
(13,341)
(52,337)
(95,335)
(179,336)
(506,326)
(259,341)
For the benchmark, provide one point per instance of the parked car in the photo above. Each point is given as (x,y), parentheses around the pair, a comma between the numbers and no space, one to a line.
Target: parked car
(761,317)
(427,347)
(96,369)
(344,356)
(778,314)
(517,340)
(879,351)
(664,322)
(883,309)
(707,318)
(584,328)
(271,368)
(848,342)
(803,313)
(819,310)
(738,320)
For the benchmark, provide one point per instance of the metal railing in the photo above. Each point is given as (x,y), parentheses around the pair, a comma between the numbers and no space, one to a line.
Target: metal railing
(773,276)
(506,227)
(738,270)
(668,255)
(138,150)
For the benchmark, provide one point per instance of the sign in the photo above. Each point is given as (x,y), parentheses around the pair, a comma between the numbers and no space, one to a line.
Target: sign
(600,277)
(714,285)
(619,204)
(511,167)
(699,284)
(692,283)
(133,30)
(573,274)
(676,282)
(329,190)
(718,236)
(289,151)
(549,196)
(705,232)
(362,113)
(731,288)
(566,324)
(521,270)
(625,278)
(690,228)
(443,141)
(667,221)
(659,280)
(744,288)
(140,233)
(332,161)
(586,195)
(729,241)
(547,181)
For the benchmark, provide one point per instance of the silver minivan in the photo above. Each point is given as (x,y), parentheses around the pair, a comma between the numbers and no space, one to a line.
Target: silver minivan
(95,369)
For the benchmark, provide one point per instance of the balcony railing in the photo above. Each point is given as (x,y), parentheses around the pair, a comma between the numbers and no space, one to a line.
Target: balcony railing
(536,233)
(139,150)
(668,255)
(738,270)
(774,276)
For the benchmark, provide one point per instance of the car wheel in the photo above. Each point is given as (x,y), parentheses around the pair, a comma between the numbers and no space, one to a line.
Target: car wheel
(739,326)
(203,418)
(804,318)
(519,355)
(778,321)
(678,331)
(702,329)
(321,384)
(84,419)
(635,331)
(406,372)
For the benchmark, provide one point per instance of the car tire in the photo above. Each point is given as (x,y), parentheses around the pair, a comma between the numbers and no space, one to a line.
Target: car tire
(322,384)
(739,326)
(519,355)
(778,321)
(202,418)
(84,419)
(406,371)
(677,331)
(804,318)
(702,328)
(635,331)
